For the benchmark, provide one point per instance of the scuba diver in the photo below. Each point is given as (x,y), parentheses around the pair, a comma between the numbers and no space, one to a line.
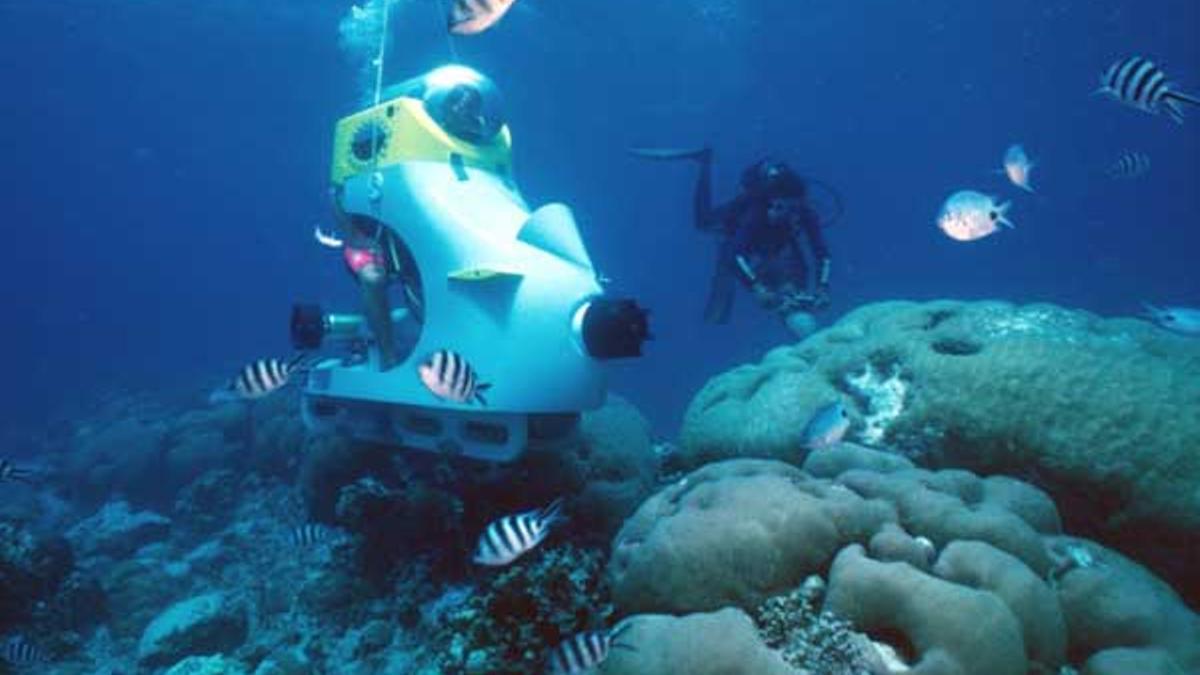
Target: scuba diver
(761,231)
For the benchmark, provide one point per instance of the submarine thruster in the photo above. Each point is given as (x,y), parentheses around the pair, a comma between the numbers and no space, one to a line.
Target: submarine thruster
(509,291)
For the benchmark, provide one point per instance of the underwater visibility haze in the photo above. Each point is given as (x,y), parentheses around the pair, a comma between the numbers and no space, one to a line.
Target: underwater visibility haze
(657,336)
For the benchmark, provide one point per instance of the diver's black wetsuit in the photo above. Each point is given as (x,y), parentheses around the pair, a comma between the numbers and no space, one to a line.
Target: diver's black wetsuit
(761,251)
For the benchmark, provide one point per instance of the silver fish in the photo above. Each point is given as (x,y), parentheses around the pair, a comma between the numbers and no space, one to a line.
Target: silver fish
(1184,320)
(258,379)
(827,427)
(513,536)
(1138,83)
(584,651)
(968,215)
(449,376)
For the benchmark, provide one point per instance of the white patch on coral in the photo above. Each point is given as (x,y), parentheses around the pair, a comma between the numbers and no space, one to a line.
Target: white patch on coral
(885,400)
(891,658)
(928,547)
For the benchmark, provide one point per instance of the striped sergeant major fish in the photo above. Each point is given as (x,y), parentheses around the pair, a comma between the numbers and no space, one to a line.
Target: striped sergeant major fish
(257,379)
(17,651)
(511,537)
(1131,164)
(584,651)
(1137,82)
(11,473)
(310,535)
(448,376)
(471,17)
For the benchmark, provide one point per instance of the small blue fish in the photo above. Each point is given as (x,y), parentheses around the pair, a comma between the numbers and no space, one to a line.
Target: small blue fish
(827,427)
(1183,320)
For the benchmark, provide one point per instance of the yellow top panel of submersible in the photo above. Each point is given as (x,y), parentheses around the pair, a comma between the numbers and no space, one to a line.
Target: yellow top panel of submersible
(403,131)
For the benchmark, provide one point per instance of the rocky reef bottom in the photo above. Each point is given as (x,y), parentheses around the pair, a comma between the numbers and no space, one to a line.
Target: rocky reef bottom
(357,559)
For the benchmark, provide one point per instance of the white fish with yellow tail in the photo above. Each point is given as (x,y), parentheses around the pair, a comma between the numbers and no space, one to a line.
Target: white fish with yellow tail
(968,215)
(1017,166)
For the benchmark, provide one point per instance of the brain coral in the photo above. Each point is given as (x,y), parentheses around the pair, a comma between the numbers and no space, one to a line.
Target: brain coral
(954,572)
(1103,412)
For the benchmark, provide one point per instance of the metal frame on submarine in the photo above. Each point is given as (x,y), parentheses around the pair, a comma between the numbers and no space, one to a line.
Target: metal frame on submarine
(512,290)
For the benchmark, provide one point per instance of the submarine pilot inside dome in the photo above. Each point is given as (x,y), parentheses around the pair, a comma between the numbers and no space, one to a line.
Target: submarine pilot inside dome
(501,329)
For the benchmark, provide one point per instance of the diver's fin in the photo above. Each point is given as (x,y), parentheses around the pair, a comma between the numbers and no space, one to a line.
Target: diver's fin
(482,273)
(552,229)
(670,153)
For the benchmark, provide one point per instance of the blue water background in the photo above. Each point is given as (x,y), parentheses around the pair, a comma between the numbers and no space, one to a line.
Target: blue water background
(164,163)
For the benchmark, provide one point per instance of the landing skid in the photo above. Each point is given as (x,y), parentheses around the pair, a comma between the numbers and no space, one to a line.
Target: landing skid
(488,436)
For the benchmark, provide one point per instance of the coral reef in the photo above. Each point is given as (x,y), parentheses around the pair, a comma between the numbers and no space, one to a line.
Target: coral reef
(813,640)
(509,625)
(404,504)
(733,534)
(724,642)
(964,574)
(363,602)
(845,560)
(117,532)
(145,452)
(31,571)
(1119,615)
(206,504)
(206,624)
(1101,412)
(207,665)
